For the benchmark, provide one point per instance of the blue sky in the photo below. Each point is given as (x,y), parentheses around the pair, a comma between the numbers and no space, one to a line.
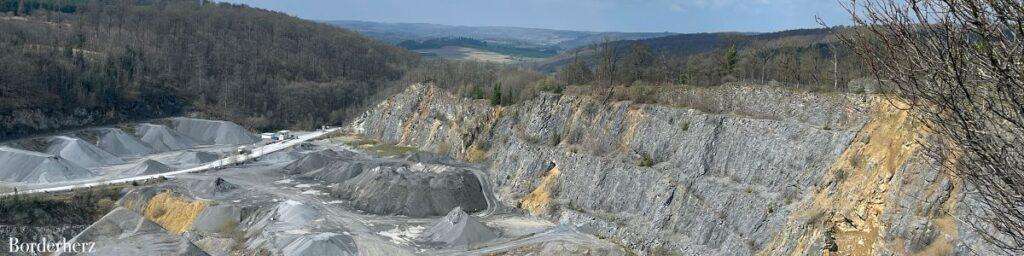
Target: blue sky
(593,15)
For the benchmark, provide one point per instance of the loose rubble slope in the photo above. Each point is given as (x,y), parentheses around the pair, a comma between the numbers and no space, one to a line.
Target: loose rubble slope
(32,167)
(213,131)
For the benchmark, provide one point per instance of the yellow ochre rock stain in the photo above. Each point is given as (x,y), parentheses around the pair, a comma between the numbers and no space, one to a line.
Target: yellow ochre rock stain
(173,213)
(850,210)
(538,202)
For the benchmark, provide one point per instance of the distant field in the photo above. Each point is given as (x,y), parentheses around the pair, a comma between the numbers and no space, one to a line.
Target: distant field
(465,53)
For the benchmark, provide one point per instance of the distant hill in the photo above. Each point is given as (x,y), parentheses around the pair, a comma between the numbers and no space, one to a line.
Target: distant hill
(69,63)
(682,45)
(510,36)
(810,58)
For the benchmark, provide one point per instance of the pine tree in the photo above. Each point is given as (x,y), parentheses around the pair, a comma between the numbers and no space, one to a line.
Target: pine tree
(496,95)
(478,92)
(731,59)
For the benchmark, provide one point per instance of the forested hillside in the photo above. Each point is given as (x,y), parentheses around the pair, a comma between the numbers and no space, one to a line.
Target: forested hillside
(510,36)
(436,43)
(811,59)
(69,63)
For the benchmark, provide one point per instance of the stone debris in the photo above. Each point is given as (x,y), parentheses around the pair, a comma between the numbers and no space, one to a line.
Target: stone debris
(81,152)
(457,229)
(33,167)
(146,167)
(122,144)
(321,244)
(213,132)
(124,232)
(412,190)
(191,158)
(161,138)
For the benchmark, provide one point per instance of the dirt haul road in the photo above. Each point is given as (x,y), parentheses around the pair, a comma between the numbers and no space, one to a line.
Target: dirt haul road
(256,153)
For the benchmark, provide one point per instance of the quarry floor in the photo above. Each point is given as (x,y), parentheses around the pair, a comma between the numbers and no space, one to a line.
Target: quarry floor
(389,234)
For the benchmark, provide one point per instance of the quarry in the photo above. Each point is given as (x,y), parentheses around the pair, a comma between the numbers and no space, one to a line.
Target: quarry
(429,173)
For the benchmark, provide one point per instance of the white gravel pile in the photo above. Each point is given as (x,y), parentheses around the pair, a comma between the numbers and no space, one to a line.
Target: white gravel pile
(321,244)
(122,232)
(121,143)
(33,167)
(147,167)
(81,152)
(214,132)
(193,158)
(161,138)
(458,229)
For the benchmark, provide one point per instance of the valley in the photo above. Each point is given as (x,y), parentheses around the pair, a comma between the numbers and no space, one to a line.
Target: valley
(267,128)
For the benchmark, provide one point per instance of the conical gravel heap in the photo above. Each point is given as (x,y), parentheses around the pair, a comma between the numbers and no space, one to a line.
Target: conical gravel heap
(161,138)
(214,132)
(121,143)
(33,167)
(81,152)
(457,229)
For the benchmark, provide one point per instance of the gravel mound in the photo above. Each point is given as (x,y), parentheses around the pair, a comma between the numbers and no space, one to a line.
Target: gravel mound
(161,138)
(413,190)
(213,131)
(82,153)
(194,158)
(218,219)
(285,155)
(33,167)
(148,167)
(294,213)
(313,161)
(121,143)
(328,165)
(212,187)
(321,244)
(124,232)
(457,229)
(280,226)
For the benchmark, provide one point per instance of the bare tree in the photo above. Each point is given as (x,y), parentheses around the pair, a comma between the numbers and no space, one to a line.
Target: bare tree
(958,63)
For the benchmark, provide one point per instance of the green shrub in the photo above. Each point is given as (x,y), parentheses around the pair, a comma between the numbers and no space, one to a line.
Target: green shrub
(645,161)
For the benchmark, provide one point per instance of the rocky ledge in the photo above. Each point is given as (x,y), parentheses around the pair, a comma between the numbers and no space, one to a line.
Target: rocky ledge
(803,174)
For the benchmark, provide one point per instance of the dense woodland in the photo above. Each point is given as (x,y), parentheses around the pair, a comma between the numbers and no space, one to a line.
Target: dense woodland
(811,59)
(70,63)
(435,43)
(111,61)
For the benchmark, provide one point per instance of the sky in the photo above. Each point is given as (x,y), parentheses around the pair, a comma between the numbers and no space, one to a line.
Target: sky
(680,16)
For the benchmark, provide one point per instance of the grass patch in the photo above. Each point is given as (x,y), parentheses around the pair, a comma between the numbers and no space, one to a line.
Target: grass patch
(382,149)
(79,207)
(645,161)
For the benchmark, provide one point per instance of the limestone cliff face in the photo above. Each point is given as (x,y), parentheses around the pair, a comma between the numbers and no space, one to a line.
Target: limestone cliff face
(755,171)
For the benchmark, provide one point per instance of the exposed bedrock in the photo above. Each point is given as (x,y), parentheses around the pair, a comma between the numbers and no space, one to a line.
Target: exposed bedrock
(752,174)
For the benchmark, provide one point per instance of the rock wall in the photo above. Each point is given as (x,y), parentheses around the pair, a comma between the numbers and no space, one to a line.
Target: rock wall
(760,171)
